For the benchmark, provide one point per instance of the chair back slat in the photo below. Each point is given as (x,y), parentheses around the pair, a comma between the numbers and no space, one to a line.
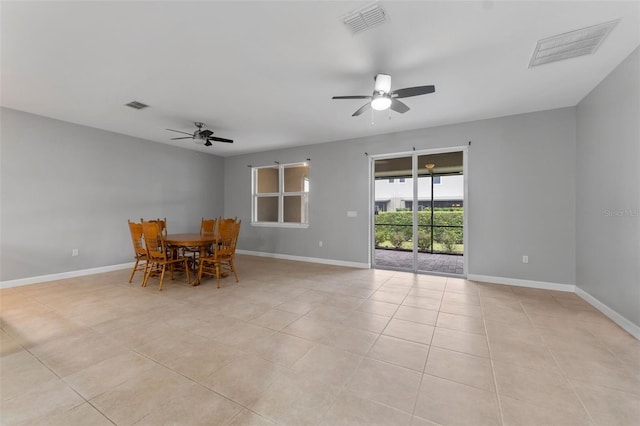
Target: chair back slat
(208,226)
(136,238)
(227,238)
(154,241)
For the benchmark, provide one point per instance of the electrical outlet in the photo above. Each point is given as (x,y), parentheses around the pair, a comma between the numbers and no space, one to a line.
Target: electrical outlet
(525,259)
(74,252)
(319,243)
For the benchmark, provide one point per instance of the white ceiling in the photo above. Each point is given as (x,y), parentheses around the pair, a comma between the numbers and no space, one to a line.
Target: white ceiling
(263,73)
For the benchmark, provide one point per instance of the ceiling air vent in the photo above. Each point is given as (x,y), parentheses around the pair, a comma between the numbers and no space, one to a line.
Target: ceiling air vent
(570,45)
(365,18)
(136,105)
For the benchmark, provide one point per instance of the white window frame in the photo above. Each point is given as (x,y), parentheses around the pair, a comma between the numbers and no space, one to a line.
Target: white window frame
(280,194)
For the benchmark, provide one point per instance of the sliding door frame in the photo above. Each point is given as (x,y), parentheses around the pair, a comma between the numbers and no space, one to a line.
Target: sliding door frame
(414,171)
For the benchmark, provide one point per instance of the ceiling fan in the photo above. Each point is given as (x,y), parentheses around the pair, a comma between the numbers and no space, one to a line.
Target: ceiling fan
(383,98)
(203,137)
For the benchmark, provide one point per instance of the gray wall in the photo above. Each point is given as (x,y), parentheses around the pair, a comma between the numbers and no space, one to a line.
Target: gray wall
(608,191)
(65,186)
(521,195)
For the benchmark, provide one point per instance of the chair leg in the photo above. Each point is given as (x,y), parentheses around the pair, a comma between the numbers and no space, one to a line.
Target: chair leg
(147,274)
(186,270)
(164,268)
(218,271)
(200,271)
(134,270)
(233,268)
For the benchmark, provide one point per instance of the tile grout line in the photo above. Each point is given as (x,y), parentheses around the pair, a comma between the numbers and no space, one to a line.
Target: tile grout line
(491,360)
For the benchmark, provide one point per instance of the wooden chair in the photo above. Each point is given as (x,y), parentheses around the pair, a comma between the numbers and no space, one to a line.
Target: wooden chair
(157,254)
(162,223)
(139,250)
(224,251)
(207,227)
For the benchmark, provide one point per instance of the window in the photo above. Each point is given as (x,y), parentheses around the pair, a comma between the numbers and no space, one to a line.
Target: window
(436,180)
(281,195)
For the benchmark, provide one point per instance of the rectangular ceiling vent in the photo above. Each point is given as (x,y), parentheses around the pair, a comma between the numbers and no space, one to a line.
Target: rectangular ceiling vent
(364,18)
(136,105)
(570,45)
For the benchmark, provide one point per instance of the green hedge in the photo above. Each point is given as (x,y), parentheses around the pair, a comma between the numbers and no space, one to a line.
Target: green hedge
(394,229)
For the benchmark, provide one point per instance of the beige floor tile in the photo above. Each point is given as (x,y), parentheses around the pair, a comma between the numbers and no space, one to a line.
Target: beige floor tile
(342,301)
(244,379)
(366,321)
(295,400)
(426,292)
(446,402)
(523,413)
(400,352)
(275,319)
(538,387)
(300,307)
(243,335)
(200,360)
(21,372)
(249,418)
(385,383)
(460,341)
(498,331)
(419,421)
(283,349)
(607,406)
(390,297)
(534,356)
(422,302)
(310,329)
(460,285)
(108,374)
(416,332)
(466,298)
(351,409)
(76,352)
(328,313)
(196,405)
(81,415)
(460,367)
(138,355)
(461,309)
(136,398)
(461,323)
(328,365)
(39,402)
(602,369)
(351,339)
(423,316)
(377,307)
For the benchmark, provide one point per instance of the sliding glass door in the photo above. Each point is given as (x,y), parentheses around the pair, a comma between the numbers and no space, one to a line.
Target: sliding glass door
(418,220)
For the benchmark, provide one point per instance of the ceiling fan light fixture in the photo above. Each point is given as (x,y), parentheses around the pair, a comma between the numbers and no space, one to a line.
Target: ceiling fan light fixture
(380,103)
(383,83)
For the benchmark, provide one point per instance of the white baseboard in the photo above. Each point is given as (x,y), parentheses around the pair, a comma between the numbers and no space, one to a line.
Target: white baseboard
(626,325)
(63,275)
(543,285)
(305,259)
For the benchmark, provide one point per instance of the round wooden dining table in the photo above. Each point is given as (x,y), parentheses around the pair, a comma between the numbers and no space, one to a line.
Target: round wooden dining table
(191,240)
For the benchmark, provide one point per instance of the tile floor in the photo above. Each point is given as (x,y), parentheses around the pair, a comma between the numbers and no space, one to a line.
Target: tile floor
(306,344)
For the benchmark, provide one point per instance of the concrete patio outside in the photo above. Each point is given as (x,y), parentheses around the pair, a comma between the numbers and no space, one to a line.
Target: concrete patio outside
(442,263)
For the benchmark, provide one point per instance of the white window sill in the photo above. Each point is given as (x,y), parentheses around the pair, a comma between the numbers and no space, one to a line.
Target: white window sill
(280,225)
